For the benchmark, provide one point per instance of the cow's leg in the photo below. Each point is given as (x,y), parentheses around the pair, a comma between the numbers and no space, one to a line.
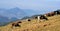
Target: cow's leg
(56,12)
(17,25)
(38,18)
(49,15)
(12,25)
(59,11)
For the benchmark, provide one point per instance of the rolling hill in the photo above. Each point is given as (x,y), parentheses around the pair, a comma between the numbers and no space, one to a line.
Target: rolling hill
(53,24)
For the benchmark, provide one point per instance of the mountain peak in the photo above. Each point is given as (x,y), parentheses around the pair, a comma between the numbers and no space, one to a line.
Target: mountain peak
(16,8)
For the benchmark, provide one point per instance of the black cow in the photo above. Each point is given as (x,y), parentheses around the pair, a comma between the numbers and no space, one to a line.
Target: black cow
(28,19)
(57,12)
(43,17)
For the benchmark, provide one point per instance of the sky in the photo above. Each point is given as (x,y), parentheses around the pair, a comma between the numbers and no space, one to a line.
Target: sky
(31,4)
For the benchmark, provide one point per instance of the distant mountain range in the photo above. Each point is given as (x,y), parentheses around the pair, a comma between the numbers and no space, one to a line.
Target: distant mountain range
(8,15)
(17,12)
(5,20)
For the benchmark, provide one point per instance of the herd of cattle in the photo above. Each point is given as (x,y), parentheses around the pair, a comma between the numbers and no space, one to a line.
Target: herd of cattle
(41,17)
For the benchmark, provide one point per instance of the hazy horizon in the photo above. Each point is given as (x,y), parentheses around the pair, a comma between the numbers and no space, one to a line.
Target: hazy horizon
(31,4)
(34,6)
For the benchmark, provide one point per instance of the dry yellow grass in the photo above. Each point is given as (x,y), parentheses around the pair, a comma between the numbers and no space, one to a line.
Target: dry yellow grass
(53,24)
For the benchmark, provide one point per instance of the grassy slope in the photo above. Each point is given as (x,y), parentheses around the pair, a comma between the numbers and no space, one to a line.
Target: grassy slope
(53,24)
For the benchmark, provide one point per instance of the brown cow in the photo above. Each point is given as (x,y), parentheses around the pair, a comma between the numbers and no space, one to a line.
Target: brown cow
(50,14)
(15,25)
(19,22)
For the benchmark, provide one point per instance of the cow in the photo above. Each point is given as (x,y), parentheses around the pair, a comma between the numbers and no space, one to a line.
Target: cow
(57,12)
(28,19)
(50,14)
(19,22)
(15,25)
(43,17)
